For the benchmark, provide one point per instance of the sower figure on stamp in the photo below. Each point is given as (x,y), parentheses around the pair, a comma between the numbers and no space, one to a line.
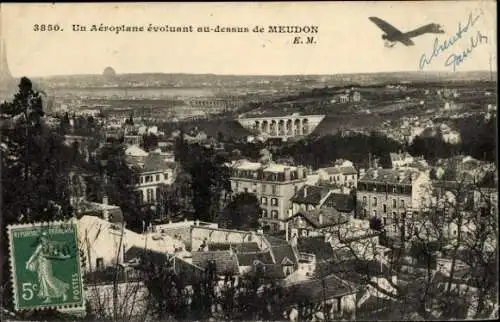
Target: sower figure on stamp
(41,263)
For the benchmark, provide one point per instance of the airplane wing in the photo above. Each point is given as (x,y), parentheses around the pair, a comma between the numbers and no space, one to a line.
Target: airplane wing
(431,28)
(406,41)
(385,26)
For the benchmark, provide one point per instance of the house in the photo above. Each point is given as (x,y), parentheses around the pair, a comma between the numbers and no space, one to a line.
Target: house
(331,295)
(274,258)
(356,96)
(104,243)
(309,197)
(313,223)
(343,203)
(391,194)
(341,174)
(343,98)
(273,184)
(154,171)
(400,159)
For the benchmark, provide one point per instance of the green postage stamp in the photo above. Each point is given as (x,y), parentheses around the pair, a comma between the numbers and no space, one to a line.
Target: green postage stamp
(46,266)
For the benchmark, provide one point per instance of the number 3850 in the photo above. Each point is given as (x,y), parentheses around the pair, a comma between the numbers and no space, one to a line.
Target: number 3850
(44,27)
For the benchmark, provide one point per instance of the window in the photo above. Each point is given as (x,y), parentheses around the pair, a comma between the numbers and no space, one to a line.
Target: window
(150,196)
(264,213)
(402,203)
(374,213)
(385,221)
(364,213)
(385,208)
(274,214)
(165,176)
(274,202)
(295,189)
(245,189)
(364,200)
(264,188)
(148,178)
(236,185)
(345,178)
(263,200)
(274,189)
(99,263)
(394,203)
(157,177)
(374,201)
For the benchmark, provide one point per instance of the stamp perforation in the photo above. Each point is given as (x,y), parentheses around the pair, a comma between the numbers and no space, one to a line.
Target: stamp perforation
(74,306)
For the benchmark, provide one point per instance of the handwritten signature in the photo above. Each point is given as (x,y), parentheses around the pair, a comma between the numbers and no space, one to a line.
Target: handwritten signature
(438,48)
(456,59)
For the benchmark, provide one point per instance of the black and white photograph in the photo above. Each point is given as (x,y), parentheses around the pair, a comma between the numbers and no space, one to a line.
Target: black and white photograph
(249,161)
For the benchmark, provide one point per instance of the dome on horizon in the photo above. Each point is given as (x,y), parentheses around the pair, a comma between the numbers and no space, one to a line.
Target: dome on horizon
(109,72)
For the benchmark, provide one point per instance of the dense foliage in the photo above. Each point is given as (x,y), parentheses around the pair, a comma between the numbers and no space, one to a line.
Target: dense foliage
(243,212)
(34,172)
(209,178)
(321,152)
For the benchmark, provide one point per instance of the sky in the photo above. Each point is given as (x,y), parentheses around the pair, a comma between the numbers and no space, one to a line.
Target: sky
(347,41)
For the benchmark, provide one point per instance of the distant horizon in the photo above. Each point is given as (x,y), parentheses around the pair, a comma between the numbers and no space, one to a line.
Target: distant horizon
(267,75)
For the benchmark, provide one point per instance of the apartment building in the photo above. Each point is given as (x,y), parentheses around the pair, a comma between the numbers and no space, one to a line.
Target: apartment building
(273,184)
(391,194)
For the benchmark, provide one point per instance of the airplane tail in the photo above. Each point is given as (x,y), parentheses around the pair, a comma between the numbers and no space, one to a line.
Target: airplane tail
(432,28)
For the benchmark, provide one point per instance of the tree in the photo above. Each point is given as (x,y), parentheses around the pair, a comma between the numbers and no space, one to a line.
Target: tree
(149,141)
(210,178)
(115,178)
(376,224)
(243,212)
(34,171)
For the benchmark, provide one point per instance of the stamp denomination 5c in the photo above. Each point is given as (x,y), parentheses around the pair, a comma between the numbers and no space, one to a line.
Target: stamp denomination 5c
(45,263)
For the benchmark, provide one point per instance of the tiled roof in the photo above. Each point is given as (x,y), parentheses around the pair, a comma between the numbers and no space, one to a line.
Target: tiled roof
(237,247)
(226,261)
(142,254)
(247,259)
(153,162)
(282,252)
(330,217)
(334,287)
(281,249)
(341,202)
(310,195)
(341,170)
(317,246)
(394,176)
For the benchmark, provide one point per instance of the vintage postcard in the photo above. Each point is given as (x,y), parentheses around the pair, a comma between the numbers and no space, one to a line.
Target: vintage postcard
(221,161)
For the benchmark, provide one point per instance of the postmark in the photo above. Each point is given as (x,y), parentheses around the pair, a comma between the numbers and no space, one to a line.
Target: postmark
(46,266)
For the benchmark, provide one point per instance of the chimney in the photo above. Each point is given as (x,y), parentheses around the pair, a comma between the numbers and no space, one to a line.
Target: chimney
(375,174)
(197,222)
(305,191)
(105,200)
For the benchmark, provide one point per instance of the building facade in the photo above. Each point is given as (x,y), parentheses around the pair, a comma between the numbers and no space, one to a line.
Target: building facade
(273,184)
(154,171)
(391,195)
